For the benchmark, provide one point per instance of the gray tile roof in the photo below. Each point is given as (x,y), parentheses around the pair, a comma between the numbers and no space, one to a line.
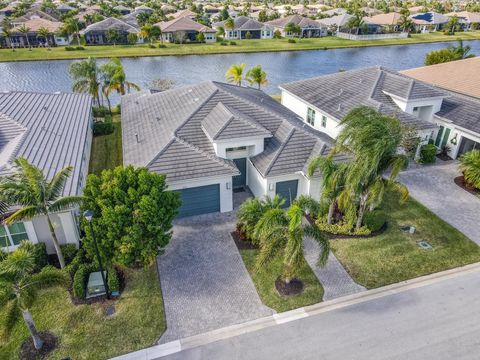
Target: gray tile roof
(56,129)
(10,130)
(110,23)
(336,94)
(243,23)
(302,21)
(463,111)
(170,127)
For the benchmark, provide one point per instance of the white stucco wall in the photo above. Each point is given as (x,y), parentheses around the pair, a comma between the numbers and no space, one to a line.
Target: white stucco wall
(254,146)
(458,132)
(255,181)
(427,107)
(225,182)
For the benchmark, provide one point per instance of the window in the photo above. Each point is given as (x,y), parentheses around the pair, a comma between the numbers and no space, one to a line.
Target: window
(324,121)
(12,235)
(311,116)
(415,108)
(240,148)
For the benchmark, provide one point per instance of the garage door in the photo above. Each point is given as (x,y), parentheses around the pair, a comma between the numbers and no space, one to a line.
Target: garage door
(287,190)
(199,200)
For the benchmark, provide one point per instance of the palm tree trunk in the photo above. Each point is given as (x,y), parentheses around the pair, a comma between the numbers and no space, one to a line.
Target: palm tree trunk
(27,317)
(331,210)
(58,250)
(108,102)
(361,211)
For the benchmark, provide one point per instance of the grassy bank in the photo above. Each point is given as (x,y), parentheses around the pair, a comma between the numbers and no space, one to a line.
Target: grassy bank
(395,256)
(243,46)
(84,332)
(106,150)
(264,281)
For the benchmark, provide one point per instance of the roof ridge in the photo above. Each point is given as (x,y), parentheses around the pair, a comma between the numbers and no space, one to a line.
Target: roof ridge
(246,119)
(279,151)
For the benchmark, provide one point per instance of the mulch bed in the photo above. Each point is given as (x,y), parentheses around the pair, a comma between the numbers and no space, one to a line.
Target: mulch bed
(444,157)
(241,241)
(460,181)
(28,351)
(294,287)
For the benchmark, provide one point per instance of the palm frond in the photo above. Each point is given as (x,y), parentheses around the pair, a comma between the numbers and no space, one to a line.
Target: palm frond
(49,276)
(57,184)
(66,203)
(12,314)
(315,233)
(25,213)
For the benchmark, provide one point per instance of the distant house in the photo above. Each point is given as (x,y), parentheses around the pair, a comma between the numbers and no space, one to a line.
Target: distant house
(123,10)
(19,39)
(309,28)
(334,12)
(31,15)
(429,21)
(336,22)
(212,140)
(467,20)
(244,26)
(51,131)
(143,9)
(65,8)
(387,21)
(7,10)
(184,29)
(96,34)
(184,13)
(256,14)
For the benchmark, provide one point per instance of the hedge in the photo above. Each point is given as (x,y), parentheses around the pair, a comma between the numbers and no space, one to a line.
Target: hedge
(103,128)
(80,280)
(113,280)
(428,154)
(78,260)
(374,220)
(69,251)
(100,111)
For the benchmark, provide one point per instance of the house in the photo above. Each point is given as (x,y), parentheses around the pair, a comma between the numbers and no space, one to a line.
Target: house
(184,13)
(387,21)
(34,14)
(461,114)
(244,26)
(96,34)
(7,10)
(184,29)
(467,20)
(51,131)
(309,28)
(429,21)
(19,39)
(143,9)
(65,8)
(336,22)
(212,140)
(123,10)
(439,115)
(334,12)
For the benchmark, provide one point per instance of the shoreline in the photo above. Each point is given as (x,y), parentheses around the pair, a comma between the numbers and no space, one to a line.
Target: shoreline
(243,46)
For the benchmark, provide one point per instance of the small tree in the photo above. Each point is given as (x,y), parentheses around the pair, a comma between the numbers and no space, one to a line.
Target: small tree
(470,166)
(113,36)
(132,38)
(200,37)
(24,30)
(256,76)
(293,29)
(248,35)
(133,215)
(19,289)
(277,34)
(235,74)
(44,33)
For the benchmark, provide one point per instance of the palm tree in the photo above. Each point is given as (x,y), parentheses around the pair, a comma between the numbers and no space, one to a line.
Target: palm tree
(235,74)
(462,51)
(24,30)
(72,26)
(43,32)
(333,180)
(115,78)
(19,288)
(281,232)
(34,195)
(372,140)
(257,76)
(229,24)
(7,34)
(470,167)
(85,77)
(292,28)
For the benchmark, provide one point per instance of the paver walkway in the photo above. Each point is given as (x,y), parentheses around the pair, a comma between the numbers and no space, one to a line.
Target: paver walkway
(433,186)
(204,282)
(334,278)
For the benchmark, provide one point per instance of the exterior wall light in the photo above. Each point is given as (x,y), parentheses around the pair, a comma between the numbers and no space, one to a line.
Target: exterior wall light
(271,186)
(228,185)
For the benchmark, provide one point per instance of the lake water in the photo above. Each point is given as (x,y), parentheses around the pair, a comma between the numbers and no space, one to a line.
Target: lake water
(281,67)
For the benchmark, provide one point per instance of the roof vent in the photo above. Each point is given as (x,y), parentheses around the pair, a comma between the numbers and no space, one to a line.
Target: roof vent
(190,90)
(341,92)
(361,81)
(136,137)
(158,119)
(339,107)
(196,99)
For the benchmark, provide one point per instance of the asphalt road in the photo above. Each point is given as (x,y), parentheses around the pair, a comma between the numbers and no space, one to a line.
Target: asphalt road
(437,321)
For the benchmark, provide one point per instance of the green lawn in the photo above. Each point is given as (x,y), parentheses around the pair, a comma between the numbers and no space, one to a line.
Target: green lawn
(395,256)
(264,281)
(242,46)
(85,333)
(107,149)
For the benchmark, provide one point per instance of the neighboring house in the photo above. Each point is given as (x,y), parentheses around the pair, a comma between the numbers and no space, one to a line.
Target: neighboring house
(429,21)
(51,131)
(64,8)
(388,22)
(8,10)
(334,12)
(309,28)
(184,29)
(213,139)
(123,10)
(143,9)
(131,18)
(460,116)
(467,20)
(184,13)
(336,22)
(256,14)
(31,15)
(96,34)
(18,39)
(437,114)
(244,25)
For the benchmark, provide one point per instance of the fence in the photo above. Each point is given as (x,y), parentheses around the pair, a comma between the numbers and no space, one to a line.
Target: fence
(400,35)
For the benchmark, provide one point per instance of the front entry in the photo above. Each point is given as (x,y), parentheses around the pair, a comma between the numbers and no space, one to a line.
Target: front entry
(240,181)
(287,190)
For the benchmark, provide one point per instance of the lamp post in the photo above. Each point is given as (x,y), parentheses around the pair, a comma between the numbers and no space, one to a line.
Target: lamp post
(89,216)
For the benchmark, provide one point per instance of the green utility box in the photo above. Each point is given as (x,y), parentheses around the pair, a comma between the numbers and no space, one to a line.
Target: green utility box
(95,285)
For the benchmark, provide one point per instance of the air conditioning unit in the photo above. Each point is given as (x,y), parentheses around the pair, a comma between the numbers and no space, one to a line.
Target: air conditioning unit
(95,285)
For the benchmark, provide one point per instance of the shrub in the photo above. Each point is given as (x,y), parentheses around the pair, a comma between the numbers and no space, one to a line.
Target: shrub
(151,46)
(113,280)
(69,252)
(470,166)
(100,111)
(39,252)
(374,220)
(292,41)
(428,154)
(132,38)
(80,281)
(69,48)
(79,48)
(233,43)
(248,35)
(277,34)
(78,260)
(341,228)
(223,43)
(103,128)
(162,46)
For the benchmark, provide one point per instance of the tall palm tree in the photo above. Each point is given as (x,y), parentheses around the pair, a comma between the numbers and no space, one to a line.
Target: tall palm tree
(235,74)
(372,140)
(85,78)
(44,33)
(333,180)
(72,26)
(281,232)
(470,167)
(229,23)
(19,288)
(462,51)
(257,75)
(115,78)
(24,30)
(7,34)
(29,191)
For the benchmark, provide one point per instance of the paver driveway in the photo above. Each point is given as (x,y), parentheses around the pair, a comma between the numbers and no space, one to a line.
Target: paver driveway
(433,186)
(204,282)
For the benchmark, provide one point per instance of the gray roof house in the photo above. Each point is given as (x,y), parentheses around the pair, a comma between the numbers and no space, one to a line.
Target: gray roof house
(309,28)
(96,34)
(445,117)
(51,131)
(243,26)
(211,138)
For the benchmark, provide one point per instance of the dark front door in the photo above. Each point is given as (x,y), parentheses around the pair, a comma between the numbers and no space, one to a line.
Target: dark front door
(287,190)
(240,180)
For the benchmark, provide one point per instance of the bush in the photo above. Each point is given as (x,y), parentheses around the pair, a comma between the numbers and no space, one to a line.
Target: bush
(69,252)
(374,220)
(39,252)
(428,154)
(162,46)
(292,41)
(223,43)
(113,280)
(73,48)
(79,48)
(341,228)
(103,128)
(78,260)
(151,46)
(100,111)
(277,34)
(248,35)
(233,43)
(80,281)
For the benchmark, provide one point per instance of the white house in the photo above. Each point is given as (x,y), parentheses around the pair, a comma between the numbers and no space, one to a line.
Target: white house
(214,139)
(244,28)
(51,131)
